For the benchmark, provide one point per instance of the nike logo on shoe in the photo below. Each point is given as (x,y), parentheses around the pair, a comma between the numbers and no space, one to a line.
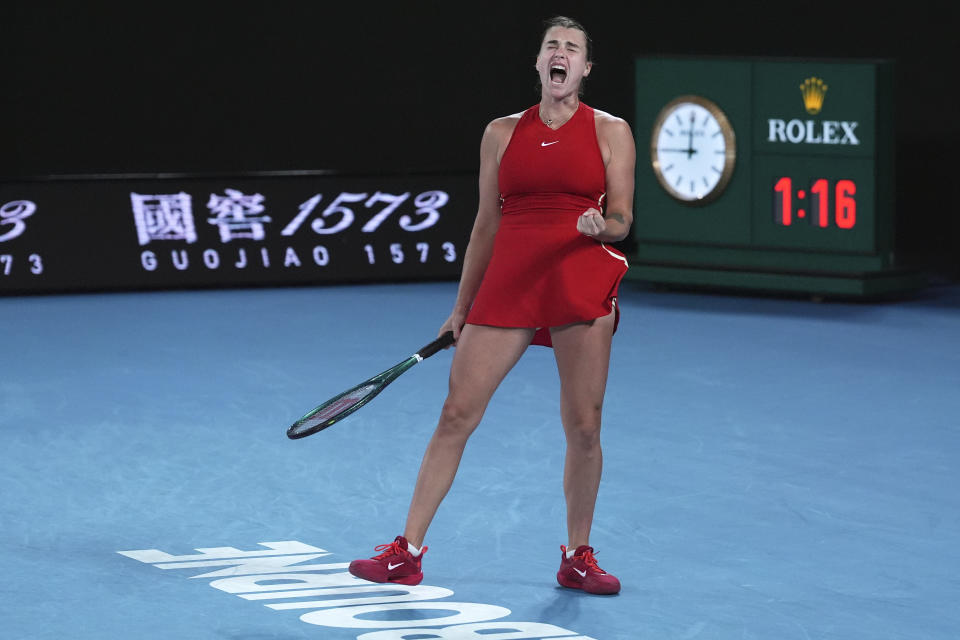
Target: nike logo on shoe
(583,574)
(547,144)
(391,566)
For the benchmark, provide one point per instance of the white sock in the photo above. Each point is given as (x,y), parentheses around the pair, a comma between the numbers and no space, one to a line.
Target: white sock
(570,553)
(412,549)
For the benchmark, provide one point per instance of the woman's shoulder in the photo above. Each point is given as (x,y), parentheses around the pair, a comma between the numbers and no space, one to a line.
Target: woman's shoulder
(610,127)
(502,127)
(608,120)
(507,122)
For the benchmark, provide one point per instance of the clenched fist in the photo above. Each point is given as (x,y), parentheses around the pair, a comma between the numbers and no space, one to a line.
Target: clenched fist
(591,223)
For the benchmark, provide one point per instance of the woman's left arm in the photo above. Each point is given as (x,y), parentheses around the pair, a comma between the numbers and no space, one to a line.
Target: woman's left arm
(616,141)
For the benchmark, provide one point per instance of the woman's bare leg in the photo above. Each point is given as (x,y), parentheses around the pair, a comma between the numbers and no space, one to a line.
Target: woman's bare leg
(582,352)
(484,355)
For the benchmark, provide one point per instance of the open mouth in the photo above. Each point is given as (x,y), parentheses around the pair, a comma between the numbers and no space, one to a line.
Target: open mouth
(557,74)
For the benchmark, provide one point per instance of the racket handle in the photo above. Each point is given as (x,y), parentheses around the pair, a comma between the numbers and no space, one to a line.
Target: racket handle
(440,343)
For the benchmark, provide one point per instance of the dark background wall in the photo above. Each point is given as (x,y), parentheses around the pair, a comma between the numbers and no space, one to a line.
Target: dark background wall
(410,86)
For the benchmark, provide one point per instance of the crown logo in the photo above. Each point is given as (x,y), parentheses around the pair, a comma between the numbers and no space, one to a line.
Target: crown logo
(813,91)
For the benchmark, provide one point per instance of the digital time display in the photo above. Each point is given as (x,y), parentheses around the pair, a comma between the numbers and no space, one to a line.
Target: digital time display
(824,203)
(813,203)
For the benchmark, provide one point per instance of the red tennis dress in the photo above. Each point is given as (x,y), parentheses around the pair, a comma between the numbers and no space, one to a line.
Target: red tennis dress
(543,272)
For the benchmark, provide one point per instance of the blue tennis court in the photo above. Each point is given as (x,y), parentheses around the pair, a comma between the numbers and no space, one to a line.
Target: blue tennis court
(775,469)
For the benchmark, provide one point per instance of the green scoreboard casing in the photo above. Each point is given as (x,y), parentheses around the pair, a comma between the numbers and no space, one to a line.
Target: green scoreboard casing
(766,174)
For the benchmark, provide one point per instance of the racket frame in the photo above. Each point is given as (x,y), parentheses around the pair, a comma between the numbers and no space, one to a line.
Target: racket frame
(379,381)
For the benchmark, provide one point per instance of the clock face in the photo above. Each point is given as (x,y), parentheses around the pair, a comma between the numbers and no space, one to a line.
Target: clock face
(693,149)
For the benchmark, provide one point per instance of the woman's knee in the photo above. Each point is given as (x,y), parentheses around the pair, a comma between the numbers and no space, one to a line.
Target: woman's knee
(458,418)
(582,427)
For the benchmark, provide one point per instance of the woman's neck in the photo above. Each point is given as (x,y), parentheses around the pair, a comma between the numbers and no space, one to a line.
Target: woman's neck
(555,113)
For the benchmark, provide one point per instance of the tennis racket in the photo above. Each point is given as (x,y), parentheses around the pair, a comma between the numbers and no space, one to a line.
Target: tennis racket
(340,406)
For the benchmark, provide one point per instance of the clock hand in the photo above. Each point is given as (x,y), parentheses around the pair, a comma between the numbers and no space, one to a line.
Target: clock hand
(687,151)
(690,149)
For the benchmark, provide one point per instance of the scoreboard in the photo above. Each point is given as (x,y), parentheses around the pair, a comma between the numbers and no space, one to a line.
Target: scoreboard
(767,174)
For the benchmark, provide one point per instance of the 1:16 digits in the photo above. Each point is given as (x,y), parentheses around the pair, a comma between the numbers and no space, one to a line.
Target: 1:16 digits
(844,203)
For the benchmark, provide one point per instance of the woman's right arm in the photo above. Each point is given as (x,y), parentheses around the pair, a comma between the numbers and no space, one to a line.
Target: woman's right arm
(480,248)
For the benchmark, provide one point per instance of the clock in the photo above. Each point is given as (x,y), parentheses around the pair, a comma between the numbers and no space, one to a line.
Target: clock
(693,150)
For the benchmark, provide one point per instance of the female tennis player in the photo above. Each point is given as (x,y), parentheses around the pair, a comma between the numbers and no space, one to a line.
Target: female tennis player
(556,185)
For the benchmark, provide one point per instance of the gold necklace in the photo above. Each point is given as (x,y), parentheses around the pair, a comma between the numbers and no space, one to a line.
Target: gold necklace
(549,121)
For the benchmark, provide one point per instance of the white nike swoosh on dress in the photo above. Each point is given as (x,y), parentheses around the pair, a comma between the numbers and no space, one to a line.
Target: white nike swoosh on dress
(391,566)
(547,144)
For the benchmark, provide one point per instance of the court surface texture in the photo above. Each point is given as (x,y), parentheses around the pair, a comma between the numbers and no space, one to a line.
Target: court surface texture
(775,469)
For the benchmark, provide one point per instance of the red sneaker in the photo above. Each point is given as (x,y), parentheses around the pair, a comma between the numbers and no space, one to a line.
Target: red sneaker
(395,564)
(581,572)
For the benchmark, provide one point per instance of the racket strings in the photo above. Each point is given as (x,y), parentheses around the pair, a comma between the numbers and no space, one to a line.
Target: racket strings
(344,403)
